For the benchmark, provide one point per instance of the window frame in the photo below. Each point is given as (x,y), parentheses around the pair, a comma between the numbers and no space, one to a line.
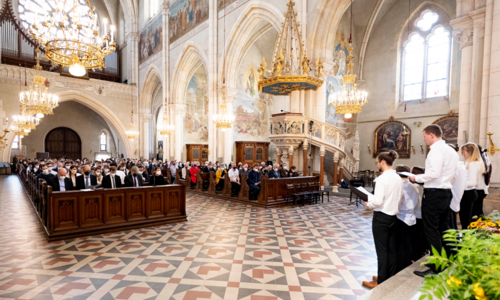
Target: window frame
(14,141)
(426,36)
(105,143)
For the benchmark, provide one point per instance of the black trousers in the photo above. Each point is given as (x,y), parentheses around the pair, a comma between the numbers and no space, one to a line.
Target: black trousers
(435,216)
(453,220)
(403,245)
(477,209)
(220,185)
(419,244)
(254,191)
(384,235)
(466,205)
(235,188)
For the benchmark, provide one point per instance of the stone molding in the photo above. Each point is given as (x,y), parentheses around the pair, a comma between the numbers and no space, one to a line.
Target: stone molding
(178,108)
(464,36)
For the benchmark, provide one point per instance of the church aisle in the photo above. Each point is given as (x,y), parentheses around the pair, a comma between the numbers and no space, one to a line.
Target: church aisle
(225,251)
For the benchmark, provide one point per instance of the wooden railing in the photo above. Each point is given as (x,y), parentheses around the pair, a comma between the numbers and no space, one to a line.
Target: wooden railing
(75,213)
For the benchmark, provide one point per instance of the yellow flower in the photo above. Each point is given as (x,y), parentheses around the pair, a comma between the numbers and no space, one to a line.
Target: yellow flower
(454,280)
(473,225)
(479,220)
(484,227)
(491,224)
(498,223)
(479,292)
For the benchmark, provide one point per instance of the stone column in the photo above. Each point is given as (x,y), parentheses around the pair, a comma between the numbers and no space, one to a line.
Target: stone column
(322,165)
(278,154)
(133,68)
(178,110)
(165,11)
(212,80)
(305,146)
(476,77)
(464,36)
(341,171)
(488,29)
(228,133)
(295,102)
(356,147)
(320,105)
(145,126)
(335,170)
(290,157)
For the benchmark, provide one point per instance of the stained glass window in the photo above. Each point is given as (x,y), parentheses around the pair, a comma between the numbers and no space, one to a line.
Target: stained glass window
(437,63)
(102,141)
(414,68)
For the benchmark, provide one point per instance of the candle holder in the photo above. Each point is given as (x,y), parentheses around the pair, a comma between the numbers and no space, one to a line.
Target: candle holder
(369,150)
(422,148)
(492,149)
(413,149)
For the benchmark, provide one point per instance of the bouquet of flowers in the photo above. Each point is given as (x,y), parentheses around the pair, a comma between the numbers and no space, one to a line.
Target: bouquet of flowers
(487,223)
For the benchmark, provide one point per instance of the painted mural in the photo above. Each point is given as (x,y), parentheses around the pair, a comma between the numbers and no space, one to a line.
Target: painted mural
(185,15)
(251,109)
(334,81)
(449,126)
(196,118)
(150,42)
(392,135)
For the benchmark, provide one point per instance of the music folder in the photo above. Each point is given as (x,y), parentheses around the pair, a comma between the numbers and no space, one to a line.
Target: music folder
(361,192)
(406,174)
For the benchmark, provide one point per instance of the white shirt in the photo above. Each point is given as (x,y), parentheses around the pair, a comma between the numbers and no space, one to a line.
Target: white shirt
(388,193)
(459,185)
(121,174)
(473,172)
(418,207)
(408,203)
(440,167)
(234,175)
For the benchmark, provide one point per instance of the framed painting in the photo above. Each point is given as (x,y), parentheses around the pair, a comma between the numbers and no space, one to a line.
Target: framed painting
(449,126)
(392,135)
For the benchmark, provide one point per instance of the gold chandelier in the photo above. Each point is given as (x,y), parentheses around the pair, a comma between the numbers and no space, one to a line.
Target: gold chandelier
(165,128)
(37,101)
(25,122)
(132,134)
(350,100)
(68,31)
(224,119)
(3,140)
(290,65)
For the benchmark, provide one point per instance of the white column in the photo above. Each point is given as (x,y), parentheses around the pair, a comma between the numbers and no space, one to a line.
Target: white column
(356,147)
(484,126)
(178,110)
(320,105)
(476,76)
(145,135)
(165,11)
(212,79)
(228,134)
(133,68)
(302,103)
(464,36)
(295,101)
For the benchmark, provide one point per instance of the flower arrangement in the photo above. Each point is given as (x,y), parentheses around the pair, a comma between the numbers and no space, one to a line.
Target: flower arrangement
(486,223)
(472,271)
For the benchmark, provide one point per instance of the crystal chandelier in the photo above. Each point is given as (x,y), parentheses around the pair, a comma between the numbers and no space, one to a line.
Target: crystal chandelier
(132,134)
(67,30)
(290,65)
(224,119)
(25,122)
(165,128)
(37,101)
(350,100)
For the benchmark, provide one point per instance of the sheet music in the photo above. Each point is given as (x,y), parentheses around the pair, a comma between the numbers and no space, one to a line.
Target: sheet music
(364,191)
(406,174)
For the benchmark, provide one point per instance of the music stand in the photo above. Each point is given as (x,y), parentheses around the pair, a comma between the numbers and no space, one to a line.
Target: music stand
(360,196)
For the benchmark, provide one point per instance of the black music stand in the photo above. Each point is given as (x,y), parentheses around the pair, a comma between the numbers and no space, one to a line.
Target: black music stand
(360,196)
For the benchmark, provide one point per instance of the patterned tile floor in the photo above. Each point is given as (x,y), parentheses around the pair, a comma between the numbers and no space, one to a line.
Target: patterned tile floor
(226,250)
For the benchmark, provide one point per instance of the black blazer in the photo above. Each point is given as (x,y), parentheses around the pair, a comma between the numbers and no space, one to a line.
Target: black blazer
(106,181)
(157,180)
(205,169)
(54,183)
(129,180)
(80,181)
(272,175)
(145,176)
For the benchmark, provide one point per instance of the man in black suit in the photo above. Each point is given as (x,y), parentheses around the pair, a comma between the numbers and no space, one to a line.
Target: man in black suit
(275,173)
(86,180)
(157,178)
(111,181)
(45,175)
(60,183)
(144,174)
(133,179)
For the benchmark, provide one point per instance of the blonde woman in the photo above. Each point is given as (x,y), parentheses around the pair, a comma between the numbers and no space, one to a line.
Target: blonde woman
(98,175)
(475,169)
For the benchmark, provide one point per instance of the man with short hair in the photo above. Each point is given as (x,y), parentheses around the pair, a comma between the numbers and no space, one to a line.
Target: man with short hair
(244,170)
(45,174)
(87,180)
(440,168)
(133,179)
(61,183)
(112,180)
(173,169)
(284,170)
(234,178)
(275,172)
(254,182)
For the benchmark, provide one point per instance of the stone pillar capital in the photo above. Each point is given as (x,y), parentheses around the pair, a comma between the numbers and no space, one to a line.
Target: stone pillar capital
(305,145)
(134,36)
(336,157)
(165,7)
(464,36)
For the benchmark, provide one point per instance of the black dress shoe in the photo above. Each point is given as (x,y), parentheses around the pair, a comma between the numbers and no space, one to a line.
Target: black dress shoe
(425,273)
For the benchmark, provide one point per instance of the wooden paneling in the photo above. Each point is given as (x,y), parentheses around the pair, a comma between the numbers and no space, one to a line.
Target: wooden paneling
(252,152)
(197,152)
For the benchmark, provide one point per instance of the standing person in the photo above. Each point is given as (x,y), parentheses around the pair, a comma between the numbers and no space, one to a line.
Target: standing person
(440,167)
(385,205)
(482,184)
(419,244)
(475,170)
(459,185)
(406,220)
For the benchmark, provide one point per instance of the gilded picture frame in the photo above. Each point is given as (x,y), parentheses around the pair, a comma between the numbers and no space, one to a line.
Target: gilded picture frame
(392,135)
(449,126)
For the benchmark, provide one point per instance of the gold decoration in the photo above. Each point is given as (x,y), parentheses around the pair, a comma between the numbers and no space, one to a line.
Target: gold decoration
(224,120)
(68,32)
(3,140)
(492,149)
(24,123)
(36,100)
(422,148)
(290,66)
(165,128)
(413,149)
(132,133)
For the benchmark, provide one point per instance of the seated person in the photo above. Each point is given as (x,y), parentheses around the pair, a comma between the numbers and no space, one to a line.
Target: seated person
(134,179)
(219,177)
(234,178)
(98,175)
(144,174)
(193,171)
(72,175)
(284,170)
(275,172)
(254,182)
(293,172)
(157,178)
(87,180)
(60,183)
(45,174)
(112,180)
(173,169)
(244,170)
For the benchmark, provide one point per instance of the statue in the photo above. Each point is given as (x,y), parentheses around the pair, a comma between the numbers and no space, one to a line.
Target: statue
(319,67)
(305,65)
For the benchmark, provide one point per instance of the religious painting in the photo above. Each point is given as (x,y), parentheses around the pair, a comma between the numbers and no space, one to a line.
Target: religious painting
(185,15)
(221,4)
(160,146)
(251,108)
(196,119)
(392,135)
(449,126)
(335,79)
(150,40)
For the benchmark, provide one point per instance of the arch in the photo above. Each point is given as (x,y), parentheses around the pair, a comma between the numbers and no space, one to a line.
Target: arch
(101,110)
(367,35)
(151,81)
(185,66)
(71,143)
(241,34)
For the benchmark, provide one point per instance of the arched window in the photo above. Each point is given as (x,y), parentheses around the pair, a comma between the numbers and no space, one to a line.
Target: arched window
(153,8)
(103,141)
(15,143)
(426,60)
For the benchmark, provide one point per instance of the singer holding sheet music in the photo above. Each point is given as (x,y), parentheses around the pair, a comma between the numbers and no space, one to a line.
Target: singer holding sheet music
(385,204)
(440,167)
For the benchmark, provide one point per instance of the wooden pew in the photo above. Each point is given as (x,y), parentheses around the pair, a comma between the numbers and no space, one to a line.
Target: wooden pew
(211,182)
(244,193)
(202,178)
(226,190)
(178,175)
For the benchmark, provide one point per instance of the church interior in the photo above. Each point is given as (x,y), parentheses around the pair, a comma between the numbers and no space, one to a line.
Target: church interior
(307,94)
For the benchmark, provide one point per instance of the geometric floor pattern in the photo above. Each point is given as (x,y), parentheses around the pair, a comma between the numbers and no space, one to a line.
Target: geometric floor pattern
(225,250)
